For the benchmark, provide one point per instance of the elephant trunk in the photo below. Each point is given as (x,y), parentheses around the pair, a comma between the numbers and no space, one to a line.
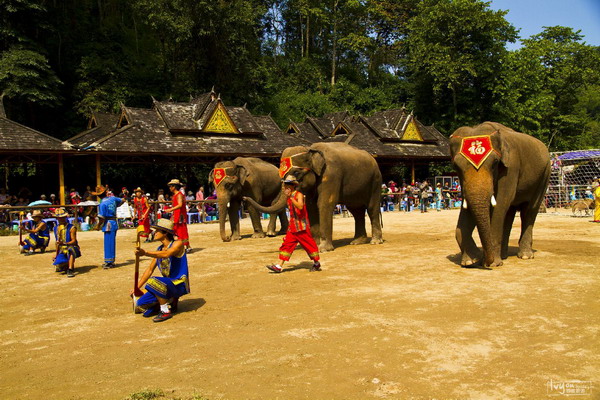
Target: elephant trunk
(278,204)
(223,211)
(480,200)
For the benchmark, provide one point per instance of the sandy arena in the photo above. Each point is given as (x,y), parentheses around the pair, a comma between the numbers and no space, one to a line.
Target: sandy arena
(401,320)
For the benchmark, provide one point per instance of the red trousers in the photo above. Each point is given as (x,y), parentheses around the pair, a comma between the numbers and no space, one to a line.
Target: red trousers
(182,233)
(146,224)
(305,239)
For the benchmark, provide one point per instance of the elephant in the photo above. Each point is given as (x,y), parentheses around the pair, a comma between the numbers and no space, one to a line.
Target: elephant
(501,171)
(328,174)
(246,177)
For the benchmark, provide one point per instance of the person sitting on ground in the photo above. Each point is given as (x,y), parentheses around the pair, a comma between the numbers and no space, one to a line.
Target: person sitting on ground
(298,228)
(171,259)
(67,247)
(39,234)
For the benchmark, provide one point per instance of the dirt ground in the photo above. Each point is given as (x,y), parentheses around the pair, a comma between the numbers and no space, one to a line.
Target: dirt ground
(401,320)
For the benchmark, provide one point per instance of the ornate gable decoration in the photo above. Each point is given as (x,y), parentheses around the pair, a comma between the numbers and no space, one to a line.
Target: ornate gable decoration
(123,120)
(92,123)
(220,121)
(411,132)
(291,129)
(340,129)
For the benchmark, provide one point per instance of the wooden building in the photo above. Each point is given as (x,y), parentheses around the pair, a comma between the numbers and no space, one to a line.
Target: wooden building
(203,130)
(21,144)
(392,136)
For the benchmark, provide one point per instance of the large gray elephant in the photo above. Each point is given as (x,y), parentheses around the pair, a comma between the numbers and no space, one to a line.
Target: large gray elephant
(501,172)
(246,177)
(328,174)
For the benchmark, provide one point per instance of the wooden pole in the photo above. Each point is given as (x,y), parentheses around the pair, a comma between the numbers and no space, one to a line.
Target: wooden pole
(61,179)
(412,172)
(98,171)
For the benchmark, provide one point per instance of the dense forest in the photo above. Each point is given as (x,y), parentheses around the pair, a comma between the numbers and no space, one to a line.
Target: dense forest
(445,59)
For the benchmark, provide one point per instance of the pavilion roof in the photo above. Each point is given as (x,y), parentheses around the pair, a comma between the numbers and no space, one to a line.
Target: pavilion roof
(15,137)
(391,134)
(203,126)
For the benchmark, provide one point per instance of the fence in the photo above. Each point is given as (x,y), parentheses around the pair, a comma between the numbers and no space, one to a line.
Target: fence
(571,177)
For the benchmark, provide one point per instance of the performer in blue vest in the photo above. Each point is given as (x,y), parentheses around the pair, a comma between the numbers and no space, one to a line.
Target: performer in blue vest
(171,260)
(107,212)
(39,235)
(67,247)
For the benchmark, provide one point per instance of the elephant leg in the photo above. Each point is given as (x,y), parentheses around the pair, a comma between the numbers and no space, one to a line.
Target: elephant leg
(283,220)
(508,223)
(256,224)
(326,225)
(234,219)
(314,220)
(360,231)
(464,237)
(272,225)
(528,216)
(375,216)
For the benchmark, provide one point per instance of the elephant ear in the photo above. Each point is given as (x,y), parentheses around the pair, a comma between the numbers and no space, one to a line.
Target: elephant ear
(502,147)
(317,161)
(242,173)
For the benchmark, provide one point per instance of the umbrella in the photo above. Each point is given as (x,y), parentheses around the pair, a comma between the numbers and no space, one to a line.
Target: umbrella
(88,203)
(40,203)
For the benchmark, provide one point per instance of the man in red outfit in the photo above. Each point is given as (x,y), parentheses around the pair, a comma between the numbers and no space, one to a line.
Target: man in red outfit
(179,213)
(298,230)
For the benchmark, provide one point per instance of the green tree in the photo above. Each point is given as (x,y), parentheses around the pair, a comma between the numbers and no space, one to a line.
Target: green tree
(455,49)
(549,89)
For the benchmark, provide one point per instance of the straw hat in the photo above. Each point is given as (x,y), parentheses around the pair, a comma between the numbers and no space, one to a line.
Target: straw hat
(165,225)
(36,214)
(60,213)
(174,182)
(290,180)
(99,190)
(138,189)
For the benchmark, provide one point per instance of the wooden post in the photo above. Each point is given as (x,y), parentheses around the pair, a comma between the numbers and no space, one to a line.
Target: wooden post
(412,172)
(61,179)
(98,171)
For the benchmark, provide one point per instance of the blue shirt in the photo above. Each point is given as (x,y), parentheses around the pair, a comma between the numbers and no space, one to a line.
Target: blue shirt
(108,209)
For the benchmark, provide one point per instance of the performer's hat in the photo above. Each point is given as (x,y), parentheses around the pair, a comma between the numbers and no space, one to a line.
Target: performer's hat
(139,189)
(174,182)
(60,213)
(165,225)
(99,190)
(36,213)
(290,180)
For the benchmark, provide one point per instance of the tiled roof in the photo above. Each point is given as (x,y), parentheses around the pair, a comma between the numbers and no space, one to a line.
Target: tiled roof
(177,128)
(381,134)
(17,137)
(100,125)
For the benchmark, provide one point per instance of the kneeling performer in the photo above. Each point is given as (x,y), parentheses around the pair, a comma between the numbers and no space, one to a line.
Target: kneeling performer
(171,260)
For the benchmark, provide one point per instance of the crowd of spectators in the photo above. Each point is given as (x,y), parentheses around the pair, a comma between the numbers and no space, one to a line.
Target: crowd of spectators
(419,195)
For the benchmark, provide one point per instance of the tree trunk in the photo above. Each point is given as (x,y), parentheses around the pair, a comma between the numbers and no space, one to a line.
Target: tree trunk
(334,44)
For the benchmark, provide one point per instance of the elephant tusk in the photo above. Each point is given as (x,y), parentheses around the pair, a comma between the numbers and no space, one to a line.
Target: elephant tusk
(493,201)
(228,205)
(464,204)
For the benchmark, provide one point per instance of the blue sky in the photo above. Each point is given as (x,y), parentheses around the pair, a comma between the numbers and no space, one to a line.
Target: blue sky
(531,15)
